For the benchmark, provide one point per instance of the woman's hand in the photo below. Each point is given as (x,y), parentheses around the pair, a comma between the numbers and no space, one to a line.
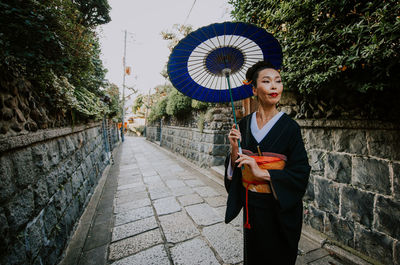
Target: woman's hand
(255,169)
(234,136)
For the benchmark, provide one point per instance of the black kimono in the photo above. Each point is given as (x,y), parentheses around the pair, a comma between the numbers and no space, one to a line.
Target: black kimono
(275,224)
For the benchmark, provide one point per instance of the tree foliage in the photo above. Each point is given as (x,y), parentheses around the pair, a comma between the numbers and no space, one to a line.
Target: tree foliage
(54,40)
(349,47)
(178,104)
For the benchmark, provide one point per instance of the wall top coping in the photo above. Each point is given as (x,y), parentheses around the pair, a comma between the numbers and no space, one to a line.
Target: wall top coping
(349,124)
(193,129)
(340,124)
(12,142)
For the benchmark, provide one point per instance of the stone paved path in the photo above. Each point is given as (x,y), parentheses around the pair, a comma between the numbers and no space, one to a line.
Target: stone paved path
(156,208)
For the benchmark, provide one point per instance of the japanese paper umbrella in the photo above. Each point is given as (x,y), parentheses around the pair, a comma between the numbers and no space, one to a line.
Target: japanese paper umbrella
(210,64)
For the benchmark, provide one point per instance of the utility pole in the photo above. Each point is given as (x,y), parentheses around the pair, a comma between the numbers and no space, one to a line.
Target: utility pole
(123,92)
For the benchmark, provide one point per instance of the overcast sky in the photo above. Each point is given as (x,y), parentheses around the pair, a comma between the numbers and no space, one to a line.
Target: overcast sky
(146,51)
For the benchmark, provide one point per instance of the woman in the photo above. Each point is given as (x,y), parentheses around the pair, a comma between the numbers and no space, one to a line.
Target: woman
(271,192)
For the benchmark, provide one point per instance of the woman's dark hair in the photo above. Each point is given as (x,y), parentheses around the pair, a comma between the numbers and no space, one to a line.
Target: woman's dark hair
(252,72)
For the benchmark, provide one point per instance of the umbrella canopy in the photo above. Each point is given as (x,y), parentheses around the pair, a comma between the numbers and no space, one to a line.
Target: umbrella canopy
(210,63)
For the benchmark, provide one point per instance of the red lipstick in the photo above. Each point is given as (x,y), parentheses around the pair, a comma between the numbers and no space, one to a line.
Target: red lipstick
(274,95)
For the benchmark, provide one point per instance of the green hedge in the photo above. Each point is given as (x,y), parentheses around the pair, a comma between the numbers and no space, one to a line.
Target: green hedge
(331,43)
(341,57)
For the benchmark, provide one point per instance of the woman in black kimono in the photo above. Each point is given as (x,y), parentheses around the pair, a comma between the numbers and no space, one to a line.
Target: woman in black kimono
(272,198)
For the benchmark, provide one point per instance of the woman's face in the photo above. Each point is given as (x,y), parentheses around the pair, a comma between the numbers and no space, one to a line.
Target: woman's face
(269,87)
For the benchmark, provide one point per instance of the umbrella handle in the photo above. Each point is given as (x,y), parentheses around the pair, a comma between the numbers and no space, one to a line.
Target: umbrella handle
(233,106)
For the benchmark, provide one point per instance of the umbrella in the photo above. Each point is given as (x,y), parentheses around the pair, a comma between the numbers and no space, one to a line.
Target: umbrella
(210,64)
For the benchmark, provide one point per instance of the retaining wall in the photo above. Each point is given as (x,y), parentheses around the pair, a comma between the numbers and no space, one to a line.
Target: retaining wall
(47,178)
(354,191)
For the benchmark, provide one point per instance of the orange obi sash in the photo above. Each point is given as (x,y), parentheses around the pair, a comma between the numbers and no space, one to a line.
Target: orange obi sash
(250,182)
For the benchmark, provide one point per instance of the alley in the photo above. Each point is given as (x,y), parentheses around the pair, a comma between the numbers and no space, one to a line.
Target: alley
(157,208)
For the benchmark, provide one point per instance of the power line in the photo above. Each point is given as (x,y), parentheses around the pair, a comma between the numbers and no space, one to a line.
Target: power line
(190,11)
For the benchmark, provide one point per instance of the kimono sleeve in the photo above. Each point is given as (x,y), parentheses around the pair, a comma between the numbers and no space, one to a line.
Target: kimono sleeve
(290,183)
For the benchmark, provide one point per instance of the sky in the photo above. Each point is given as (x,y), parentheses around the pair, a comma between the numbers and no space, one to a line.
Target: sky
(146,51)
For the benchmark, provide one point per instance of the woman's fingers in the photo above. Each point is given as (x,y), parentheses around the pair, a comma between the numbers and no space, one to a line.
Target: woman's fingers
(245,160)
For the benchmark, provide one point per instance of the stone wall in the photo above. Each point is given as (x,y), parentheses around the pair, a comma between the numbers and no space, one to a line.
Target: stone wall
(153,133)
(47,178)
(202,141)
(205,149)
(354,191)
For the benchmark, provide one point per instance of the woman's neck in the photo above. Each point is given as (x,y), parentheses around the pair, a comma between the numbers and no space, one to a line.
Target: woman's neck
(264,114)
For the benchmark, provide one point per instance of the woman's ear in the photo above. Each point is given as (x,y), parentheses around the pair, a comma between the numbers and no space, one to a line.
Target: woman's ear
(254,90)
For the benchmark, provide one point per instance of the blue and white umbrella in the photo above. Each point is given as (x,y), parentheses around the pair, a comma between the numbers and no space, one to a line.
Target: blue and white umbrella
(210,63)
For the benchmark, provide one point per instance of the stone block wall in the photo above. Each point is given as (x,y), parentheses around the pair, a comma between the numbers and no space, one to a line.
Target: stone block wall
(205,149)
(354,191)
(153,133)
(47,178)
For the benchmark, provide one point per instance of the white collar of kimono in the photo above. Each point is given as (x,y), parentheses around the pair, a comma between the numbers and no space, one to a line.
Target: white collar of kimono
(259,134)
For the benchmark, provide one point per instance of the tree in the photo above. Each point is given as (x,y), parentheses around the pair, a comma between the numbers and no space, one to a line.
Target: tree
(343,52)
(53,43)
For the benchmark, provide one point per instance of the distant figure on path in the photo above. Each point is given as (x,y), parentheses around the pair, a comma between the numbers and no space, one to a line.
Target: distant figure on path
(270,177)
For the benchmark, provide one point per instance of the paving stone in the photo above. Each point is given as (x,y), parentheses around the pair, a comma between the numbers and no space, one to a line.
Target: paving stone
(133,228)
(216,201)
(178,227)
(133,215)
(194,183)
(190,199)
(237,222)
(175,184)
(227,241)
(132,197)
(175,168)
(128,192)
(205,191)
(166,206)
(194,251)
(127,179)
(203,214)
(150,176)
(123,207)
(187,174)
(182,191)
(134,244)
(158,193)
(130,186)
(152,256)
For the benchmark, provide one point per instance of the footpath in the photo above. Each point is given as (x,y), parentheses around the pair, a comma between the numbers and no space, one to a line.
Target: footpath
(154,207)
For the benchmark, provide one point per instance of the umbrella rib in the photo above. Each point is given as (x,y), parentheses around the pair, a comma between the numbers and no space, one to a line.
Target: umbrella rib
(237,79)
(194,74)
(192,64)
(241,35)
(203,42)
(216,47)
(189,50)
(233,34)
(201,77)
(215,78)
(208,81)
